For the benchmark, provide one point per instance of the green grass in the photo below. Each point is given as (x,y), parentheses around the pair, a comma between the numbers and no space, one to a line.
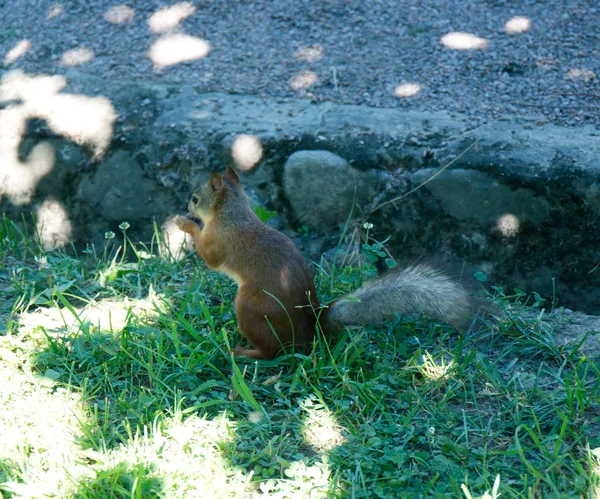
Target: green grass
(115,381)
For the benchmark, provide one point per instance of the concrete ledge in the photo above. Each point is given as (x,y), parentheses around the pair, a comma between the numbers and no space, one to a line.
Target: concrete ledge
(522,205)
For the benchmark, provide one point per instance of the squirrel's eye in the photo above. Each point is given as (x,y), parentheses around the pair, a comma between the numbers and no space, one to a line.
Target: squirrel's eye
(194,200)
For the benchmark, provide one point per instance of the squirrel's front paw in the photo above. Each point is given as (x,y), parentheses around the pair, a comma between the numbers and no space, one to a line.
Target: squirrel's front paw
(184,224)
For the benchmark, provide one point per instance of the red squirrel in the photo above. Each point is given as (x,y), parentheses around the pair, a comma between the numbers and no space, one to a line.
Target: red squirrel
(277,305)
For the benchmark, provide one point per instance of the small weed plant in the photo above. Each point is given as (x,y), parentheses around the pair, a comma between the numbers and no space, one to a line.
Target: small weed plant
(116,381)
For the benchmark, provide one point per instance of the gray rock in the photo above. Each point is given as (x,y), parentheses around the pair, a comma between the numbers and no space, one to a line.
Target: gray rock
(120,191)
(322,187)
(117,189)
(571,332)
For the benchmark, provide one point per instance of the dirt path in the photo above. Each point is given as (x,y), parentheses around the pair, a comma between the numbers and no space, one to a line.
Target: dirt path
(485,58)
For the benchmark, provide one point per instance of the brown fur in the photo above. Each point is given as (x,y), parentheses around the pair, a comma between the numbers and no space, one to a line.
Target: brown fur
(277,303)
(262,260)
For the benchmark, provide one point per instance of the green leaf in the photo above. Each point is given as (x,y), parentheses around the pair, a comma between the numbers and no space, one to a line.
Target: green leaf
(242,388)
(263,214)
(480,276)
(52,374)
(374,442)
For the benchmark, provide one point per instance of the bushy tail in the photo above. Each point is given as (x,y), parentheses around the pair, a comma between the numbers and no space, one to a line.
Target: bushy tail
(417,288)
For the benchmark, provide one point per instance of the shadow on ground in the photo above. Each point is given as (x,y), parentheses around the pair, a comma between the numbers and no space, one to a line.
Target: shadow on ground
(137,395)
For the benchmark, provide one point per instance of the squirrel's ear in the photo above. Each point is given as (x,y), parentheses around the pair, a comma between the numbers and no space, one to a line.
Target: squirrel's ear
(216,182)
(231,175)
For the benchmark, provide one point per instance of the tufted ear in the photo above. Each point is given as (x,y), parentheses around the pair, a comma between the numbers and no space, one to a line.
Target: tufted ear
(215,182)
(231,175)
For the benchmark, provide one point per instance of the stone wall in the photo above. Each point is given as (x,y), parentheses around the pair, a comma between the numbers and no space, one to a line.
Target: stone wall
(522,204)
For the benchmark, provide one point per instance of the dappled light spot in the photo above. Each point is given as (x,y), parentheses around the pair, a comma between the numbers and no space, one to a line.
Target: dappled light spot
(594,459)
(16,85)
(311,53)
(54,11)
(185,458)
(435,369)
(76,57)
(17,51)
(517,24)
(175,243)
(407,90)
(39,430)
(321,429)
(85,120)
(53,225)
(18,180)
(284,278)
(508,225)
(302,480)
(246,151)
(463,41)
(107,315)
(256,417)
(304,79)
(581,74)
(119,14)
(168,18)
(178,48)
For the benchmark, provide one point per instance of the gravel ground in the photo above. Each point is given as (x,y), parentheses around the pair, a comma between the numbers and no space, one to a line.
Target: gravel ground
(537,59)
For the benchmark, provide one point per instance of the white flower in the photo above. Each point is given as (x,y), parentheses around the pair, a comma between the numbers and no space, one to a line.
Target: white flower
(431,430)
(255,417)
(109,235)
(124,226)
(42,261)
(368,225)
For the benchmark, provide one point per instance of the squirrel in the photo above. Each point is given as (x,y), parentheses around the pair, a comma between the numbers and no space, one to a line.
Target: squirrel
(277,306)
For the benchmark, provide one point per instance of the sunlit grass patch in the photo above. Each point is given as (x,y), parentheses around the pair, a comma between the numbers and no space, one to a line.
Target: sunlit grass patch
(39,429)
(321,428)
(434,369)
(174,457)
(116,381)
(107,315)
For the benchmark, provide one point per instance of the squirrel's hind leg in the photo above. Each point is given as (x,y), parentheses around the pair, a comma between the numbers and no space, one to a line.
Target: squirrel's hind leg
(250,354)
(261,338)
(252,308)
